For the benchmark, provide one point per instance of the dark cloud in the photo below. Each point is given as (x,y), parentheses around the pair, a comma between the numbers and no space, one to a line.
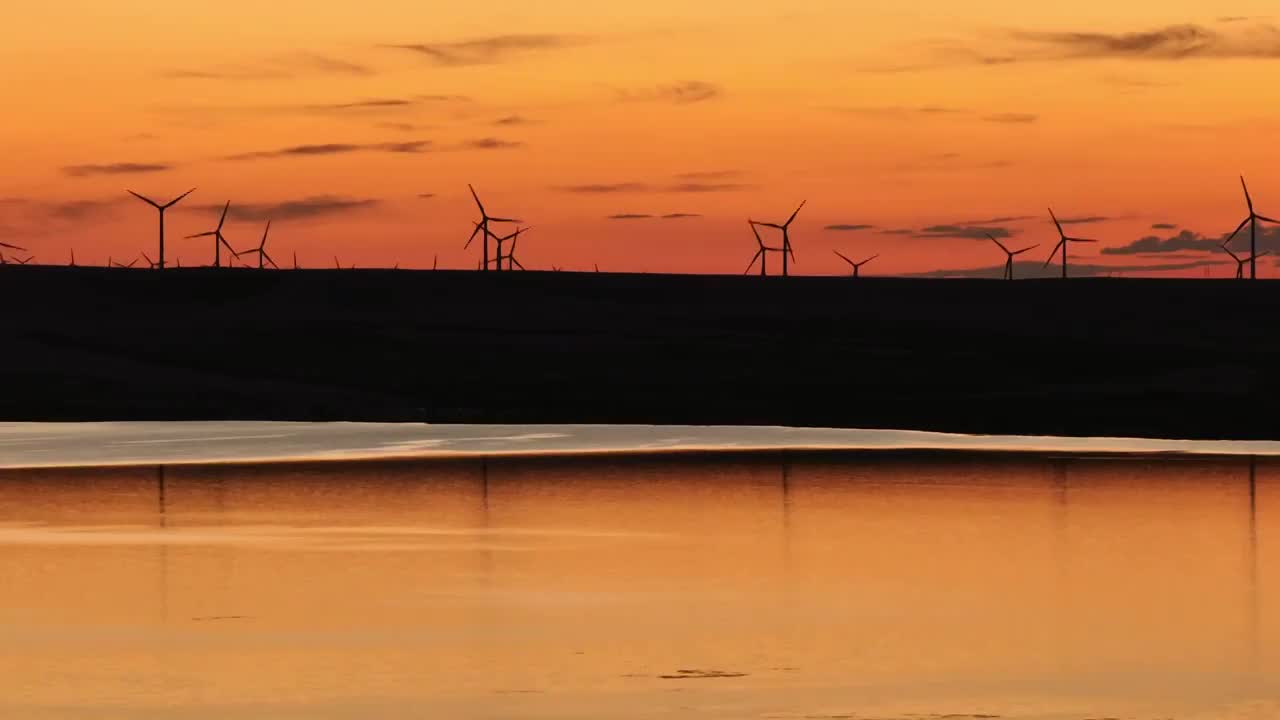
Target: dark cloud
(898,231)
(81,209)
(1012,118)
(965,232)
(413,147)
(680,216)
(279,67)
(1085,220)
(685,93)
(1268,240)
(488,50)
(1164,226)
(630,216)
(124,168)
(848,227)
(303,209)
(490,143)
(1036,269)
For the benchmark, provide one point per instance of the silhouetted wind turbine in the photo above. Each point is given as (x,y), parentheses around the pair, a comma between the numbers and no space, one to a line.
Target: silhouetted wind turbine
(786,236)
(1252,222)
(24,262)
(762,253)
(1063,242)
(261,251)
(1008,263)
(1239,260)
(483,226)
(855,265)
(73,258)
(511,254)
(121,265)
(218,240)
(161,208)
(295,259)
(150,262)
(512,237)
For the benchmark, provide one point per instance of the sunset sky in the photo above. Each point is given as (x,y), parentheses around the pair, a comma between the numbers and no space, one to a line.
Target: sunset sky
(909,128)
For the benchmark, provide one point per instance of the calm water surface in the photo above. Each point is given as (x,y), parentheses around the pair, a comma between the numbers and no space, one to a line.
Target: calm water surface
(771,587)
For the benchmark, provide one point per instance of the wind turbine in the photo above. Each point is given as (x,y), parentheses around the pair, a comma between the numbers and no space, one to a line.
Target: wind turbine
(513,237)
(1008,263)
(511,254)
(786,236)
(73,258)
(150,262)
(1241,261)
(113,263)
(295,260)
(218,240)
(1063,243)
(261,251)
(855,265)
(3,259)
(161,208)
(483,226)
(762,254)
(1252,222)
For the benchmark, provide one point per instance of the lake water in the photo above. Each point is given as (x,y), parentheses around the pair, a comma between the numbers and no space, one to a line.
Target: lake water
(777,585)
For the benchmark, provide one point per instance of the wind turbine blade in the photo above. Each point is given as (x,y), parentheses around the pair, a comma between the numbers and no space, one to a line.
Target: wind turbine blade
(842,257)
(132,262)
(994,240)
(148,259)
(477,199)
(864,262)
(1247,198)
(756,232)
(13,247)
(1056,223)
(273,262)
(178,199)
(203,234)
(1076,239)
(1061,244)
(505,220)
(1025,249)
(263,244)
(754,258)
(1235,232)
(1264,217)
(797,212)
(473,235)
(517,262)
(223,219)
(145,199)
(775,226)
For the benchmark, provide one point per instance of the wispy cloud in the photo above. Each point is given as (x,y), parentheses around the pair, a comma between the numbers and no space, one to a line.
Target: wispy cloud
(489,50)
(1000,220)
(302,209)
(275,68)
(426,196)
(1151,244)
(1164,226)
(685,93)
(898,111)
(412,147)
(371,104)
(630,216)
(963,232)
(647,216)
(640,187)
(680,216)
(122,168)
(709,175)
(848,227)
(1012,118)
(490,143)
(1085,220)
(512,120)
(1244,38)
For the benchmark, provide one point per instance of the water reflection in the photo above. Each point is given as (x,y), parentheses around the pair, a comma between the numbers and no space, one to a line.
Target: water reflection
(785,585)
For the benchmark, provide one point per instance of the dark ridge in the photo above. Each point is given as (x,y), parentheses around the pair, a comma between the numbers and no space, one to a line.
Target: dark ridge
(1120,357)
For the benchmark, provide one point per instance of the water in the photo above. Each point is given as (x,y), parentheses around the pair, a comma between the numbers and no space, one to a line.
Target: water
(795,586)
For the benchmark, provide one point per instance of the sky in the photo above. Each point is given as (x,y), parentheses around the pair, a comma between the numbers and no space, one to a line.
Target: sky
(641,136)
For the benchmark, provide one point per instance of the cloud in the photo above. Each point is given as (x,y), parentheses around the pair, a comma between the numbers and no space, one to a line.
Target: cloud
(1171,43)
(81,209)
(1267,240)
(685,93)
(275,68)
(1012,118)
(639,187)
(898,111)
(412,147)
(680,216)
(1085,220)
(964,232)
(898,231)
(709,174)
(401,126)
(1000,220)
(302,209)
(426,196)
(124,168)
(490,143)
(512,120)
(1164,226)
(372,104)
(630,216)
(1033,269)
(848,227)
(488,50)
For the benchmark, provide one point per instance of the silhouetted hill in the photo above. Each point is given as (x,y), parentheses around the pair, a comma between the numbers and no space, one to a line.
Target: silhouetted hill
(1101,357)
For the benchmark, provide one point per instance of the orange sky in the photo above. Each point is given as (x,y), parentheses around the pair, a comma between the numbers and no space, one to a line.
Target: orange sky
(922,115)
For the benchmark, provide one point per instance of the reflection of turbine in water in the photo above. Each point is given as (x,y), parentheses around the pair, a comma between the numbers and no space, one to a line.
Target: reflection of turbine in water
(163,543)
(1252,560)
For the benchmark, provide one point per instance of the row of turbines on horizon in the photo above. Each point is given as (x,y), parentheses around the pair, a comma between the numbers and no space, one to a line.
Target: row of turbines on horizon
(507,260)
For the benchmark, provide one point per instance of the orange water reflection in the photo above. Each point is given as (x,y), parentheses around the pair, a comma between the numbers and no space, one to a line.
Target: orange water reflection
(539,588)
